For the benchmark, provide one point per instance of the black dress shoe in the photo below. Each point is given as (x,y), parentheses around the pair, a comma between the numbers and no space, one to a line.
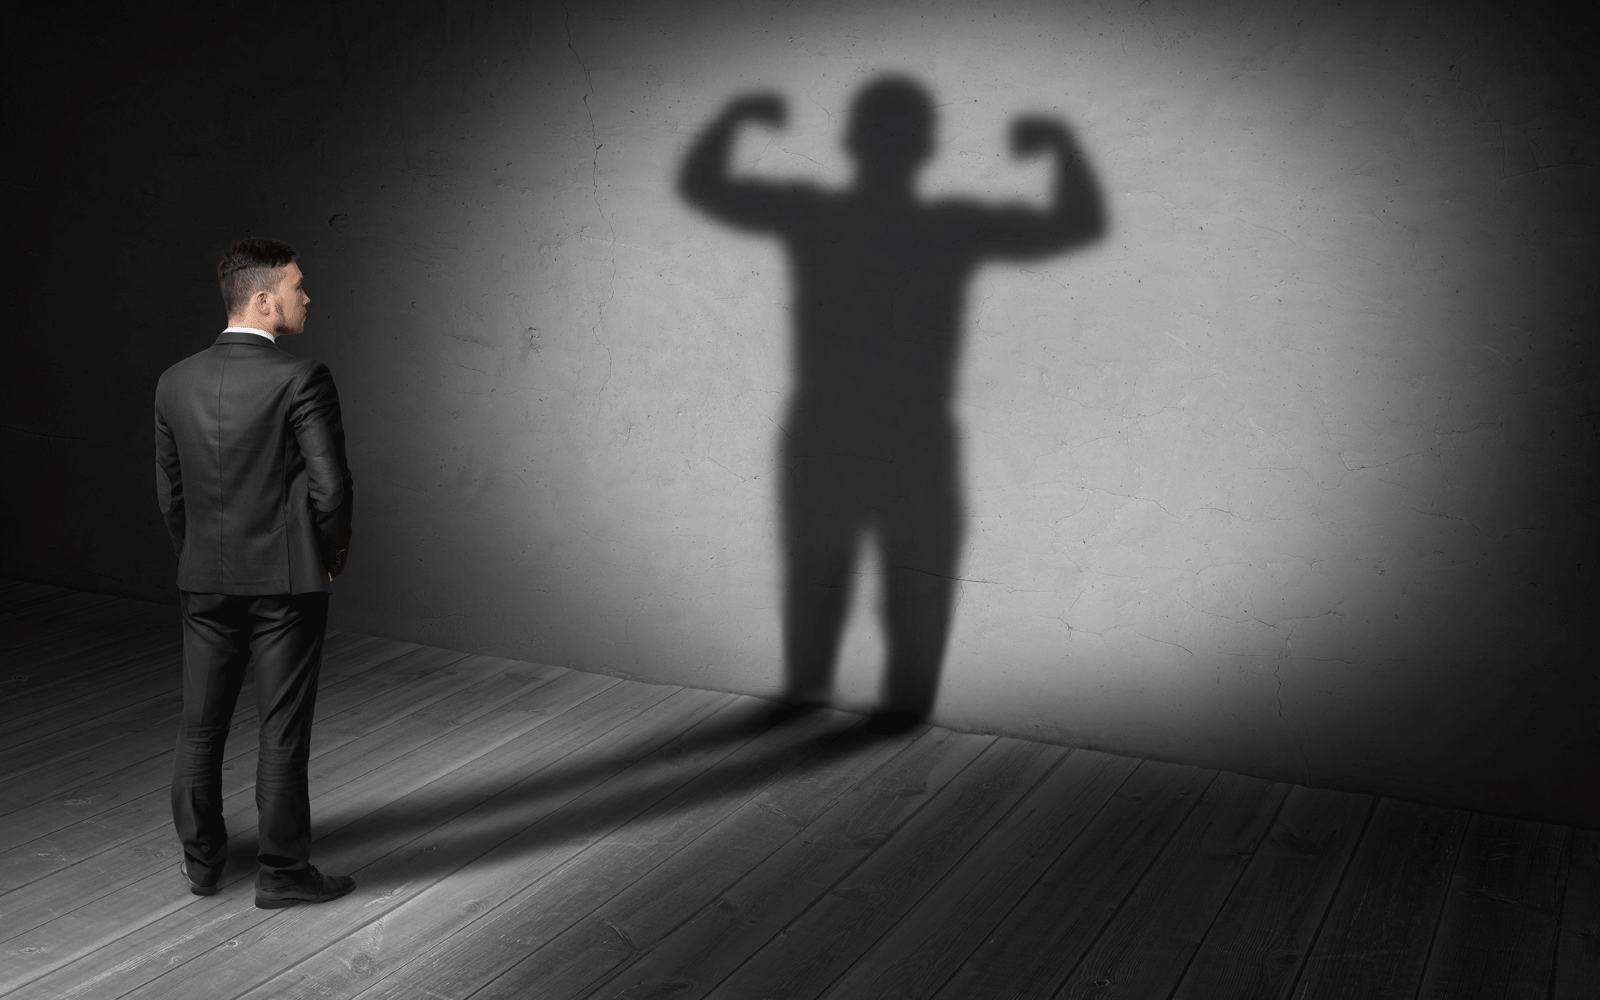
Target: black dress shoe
(315,887)
(206,885)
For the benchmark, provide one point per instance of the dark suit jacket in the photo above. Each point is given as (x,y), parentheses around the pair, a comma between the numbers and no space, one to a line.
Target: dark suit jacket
(250,469)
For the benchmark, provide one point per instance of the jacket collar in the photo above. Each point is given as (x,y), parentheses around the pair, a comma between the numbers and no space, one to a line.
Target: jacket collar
(239,337)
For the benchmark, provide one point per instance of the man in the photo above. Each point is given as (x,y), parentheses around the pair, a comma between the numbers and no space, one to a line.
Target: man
(870,446)
(251,476)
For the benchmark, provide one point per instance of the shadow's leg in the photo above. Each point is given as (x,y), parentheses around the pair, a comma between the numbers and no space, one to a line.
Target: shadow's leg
(820,541)
(922,550)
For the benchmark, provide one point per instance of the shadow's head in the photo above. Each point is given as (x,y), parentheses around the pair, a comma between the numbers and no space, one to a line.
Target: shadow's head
(891,129)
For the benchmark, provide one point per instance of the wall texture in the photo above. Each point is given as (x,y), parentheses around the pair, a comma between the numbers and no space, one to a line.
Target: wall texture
(1292,472)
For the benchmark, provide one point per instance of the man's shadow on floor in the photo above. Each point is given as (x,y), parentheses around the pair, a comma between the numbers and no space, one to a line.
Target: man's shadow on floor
(580,797)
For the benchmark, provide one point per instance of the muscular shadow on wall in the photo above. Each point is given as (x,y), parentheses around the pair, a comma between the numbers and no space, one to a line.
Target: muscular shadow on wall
(869,444)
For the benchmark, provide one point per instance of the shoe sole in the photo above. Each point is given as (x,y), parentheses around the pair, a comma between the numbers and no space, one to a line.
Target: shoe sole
(196,887)
(269,903)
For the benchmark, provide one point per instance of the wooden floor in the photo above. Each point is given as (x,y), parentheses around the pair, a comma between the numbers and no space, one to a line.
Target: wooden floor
(526,831)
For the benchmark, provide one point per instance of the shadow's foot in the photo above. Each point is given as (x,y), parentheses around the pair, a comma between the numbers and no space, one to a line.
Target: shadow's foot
(781,712)
(807,699)
(893,723)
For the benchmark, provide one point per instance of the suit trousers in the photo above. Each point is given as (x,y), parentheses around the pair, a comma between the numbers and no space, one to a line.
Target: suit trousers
(281,635)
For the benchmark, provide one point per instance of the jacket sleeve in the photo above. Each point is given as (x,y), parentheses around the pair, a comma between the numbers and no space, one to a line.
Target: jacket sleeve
(320,433)
(169,479)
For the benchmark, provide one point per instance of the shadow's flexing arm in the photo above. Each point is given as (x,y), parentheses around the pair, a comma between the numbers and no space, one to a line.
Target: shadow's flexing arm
(1077,211)
(706,183)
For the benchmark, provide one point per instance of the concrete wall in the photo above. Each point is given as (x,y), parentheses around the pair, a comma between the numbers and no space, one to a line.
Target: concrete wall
(1292,472)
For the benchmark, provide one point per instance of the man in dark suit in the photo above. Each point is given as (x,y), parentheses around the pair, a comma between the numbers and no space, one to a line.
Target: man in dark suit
(251,476)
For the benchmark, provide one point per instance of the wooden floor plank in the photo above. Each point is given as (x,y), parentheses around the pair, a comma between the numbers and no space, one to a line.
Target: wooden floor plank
(18,594)
(155,907)
(1497,935)
(1044,936)
(64,654)
(73,657)
(98,783)
(1578,949)
(99,658)
(106,725)
(1375,940)
(52,612)
(128,855)
(514,838)
(704,950)
(40,713)
(931,941)
(1149,943)
(98,778)
(636,919)
(88,611)
(135,800)
(1257,944)
(816,949)
(78,614)
(731,763)
(37,635)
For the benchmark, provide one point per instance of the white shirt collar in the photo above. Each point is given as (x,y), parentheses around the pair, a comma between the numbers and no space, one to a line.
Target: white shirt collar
(251,329)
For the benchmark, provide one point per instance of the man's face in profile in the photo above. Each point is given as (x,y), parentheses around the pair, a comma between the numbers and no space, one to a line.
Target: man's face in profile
(290,301)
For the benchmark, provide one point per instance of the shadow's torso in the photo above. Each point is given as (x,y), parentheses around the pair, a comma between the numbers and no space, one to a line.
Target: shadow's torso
(878,293)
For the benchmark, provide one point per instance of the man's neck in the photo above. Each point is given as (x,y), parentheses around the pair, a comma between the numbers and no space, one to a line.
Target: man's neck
(242,325)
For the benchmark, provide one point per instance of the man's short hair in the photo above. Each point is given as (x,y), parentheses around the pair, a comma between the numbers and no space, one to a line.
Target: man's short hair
(250,266)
